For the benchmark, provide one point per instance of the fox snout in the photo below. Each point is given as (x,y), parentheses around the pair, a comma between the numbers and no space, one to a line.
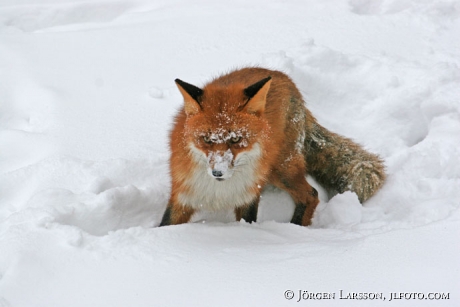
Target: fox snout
(220,164)
(217,174)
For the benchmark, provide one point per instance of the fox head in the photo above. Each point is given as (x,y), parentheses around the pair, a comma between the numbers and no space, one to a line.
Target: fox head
(225,125)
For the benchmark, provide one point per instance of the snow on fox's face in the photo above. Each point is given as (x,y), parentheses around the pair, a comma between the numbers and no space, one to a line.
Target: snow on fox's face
(223,151)
(220,164)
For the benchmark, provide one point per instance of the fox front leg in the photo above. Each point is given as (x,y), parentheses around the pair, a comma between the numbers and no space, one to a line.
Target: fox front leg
(248,212)
(176,214)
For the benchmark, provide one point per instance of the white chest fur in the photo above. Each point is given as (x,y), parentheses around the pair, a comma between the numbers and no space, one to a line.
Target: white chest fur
(210,194)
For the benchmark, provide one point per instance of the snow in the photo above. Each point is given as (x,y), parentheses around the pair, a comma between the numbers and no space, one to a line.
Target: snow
(87,97)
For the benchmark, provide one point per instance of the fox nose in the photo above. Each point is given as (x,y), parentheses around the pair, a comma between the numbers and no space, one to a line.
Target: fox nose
(217,173)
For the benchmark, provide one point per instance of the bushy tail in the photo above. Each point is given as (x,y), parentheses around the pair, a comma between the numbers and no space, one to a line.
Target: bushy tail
(340,165)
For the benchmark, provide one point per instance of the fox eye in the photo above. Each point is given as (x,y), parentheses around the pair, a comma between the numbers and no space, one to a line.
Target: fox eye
(206,139)
(235,139)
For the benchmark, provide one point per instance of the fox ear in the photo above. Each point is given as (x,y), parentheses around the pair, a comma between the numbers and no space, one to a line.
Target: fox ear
(192,97)
(257,94)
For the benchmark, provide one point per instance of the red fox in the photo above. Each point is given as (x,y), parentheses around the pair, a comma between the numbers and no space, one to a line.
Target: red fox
(250,128)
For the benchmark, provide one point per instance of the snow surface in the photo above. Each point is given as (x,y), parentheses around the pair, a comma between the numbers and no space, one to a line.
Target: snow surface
(86,101)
